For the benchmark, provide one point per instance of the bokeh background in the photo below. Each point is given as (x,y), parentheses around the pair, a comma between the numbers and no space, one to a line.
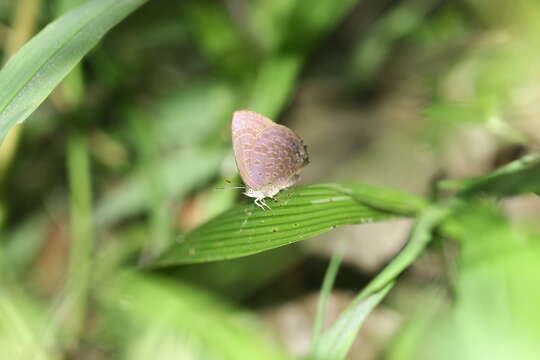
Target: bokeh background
(403,93)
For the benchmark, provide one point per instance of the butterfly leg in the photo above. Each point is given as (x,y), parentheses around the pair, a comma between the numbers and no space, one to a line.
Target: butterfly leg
(264,203)
(258,203)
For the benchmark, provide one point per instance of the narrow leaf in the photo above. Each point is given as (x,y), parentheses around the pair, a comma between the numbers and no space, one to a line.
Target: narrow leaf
(335,343)
(420,237)
(297,214)
(35,70)
(338,340)
(520,176)
(326,290)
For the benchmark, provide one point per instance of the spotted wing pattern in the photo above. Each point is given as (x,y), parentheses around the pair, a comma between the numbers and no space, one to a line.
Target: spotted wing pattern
(277,157)
(266,153)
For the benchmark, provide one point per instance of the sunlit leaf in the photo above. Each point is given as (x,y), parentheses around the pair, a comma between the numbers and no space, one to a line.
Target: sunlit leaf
(35,70)
(297,214)
(23,325)
(273,84)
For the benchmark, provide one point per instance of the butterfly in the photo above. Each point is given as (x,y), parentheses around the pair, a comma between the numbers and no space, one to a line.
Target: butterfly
(269,156)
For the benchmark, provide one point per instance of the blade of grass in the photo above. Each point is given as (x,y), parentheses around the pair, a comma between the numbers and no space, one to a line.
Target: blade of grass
(158,202)
(298,214)
(519,176)
(22,327)
(335,343)
(22,28)
(35,70)
(23,243)
(420,237)
(328,284)
(73,305)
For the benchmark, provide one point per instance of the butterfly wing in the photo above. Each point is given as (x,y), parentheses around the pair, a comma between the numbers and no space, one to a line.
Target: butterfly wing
(278,155)
(246,127)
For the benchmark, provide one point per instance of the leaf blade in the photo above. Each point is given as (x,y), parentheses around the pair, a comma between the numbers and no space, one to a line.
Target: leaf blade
(519,176)
(336,342)
(35,70)
(298,213)
(326,290)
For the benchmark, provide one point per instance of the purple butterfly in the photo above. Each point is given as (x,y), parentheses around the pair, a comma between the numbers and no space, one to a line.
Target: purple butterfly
(269,156)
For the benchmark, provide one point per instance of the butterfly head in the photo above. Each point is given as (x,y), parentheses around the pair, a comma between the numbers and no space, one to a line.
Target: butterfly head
(263,192)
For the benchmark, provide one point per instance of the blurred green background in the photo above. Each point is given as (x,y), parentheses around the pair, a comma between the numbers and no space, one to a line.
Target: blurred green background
(125,155)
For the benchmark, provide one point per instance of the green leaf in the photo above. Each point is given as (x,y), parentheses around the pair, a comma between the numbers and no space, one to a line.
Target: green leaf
(326,290)
(274,84)
(23,243)
(520,176)
(311,20)
(132,197)
(297,214)
(24,329)
(336,342)
(372,53)
(165,319)
(35,70)
(494,310)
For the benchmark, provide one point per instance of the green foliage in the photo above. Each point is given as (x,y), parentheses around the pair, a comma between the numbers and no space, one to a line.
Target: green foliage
(372,54)
(518,177)
(43,62)
(114,244)
(326,291)
(335,344)
(22,325)
(169,319)
(296,214)
(493,316)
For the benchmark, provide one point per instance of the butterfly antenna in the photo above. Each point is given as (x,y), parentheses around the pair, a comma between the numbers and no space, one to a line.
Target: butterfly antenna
(229,188)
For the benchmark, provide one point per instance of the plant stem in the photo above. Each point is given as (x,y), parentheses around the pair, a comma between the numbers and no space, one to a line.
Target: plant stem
(79,267)
(24,22)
